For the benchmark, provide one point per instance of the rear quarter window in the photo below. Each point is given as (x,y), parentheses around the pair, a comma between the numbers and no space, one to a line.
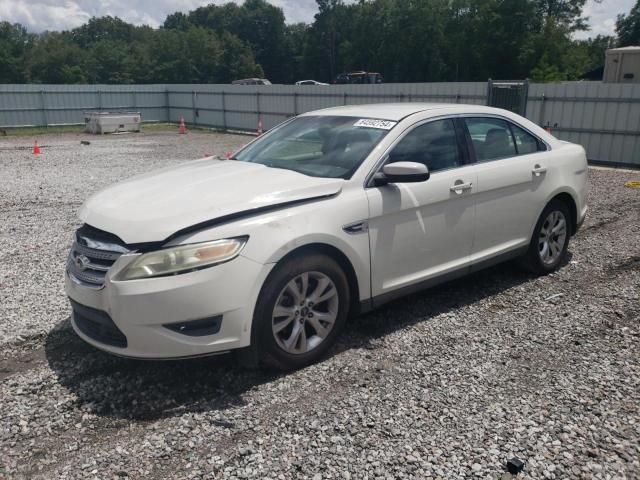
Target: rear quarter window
(491,138)
(525,142)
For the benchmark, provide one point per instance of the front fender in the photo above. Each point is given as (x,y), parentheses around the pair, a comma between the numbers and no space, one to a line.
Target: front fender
(274,235)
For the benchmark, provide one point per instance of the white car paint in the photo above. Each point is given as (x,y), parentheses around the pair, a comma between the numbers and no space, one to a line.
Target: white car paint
(414,235)
(155,202)
(310,82)
(406,235)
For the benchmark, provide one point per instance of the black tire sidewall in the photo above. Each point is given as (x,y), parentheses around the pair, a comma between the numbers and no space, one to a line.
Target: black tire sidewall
(262,335)
(534,261)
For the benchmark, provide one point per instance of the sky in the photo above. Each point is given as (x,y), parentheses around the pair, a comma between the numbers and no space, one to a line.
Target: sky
(602,16)
(40,15)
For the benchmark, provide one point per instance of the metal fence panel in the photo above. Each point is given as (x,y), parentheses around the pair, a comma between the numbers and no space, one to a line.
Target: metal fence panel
(604,118)
(49,105)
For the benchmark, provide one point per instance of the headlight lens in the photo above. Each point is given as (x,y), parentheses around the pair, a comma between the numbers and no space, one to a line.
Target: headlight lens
(183,258)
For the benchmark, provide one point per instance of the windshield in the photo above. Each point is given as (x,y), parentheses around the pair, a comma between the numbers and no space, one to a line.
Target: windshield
(322,146)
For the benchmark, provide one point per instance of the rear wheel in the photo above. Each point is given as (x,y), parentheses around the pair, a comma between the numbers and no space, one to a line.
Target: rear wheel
(550,239)
(300,311)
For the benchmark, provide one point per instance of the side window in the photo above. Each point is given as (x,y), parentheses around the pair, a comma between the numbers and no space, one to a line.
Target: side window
(435,144)
(525,142)
(491,138)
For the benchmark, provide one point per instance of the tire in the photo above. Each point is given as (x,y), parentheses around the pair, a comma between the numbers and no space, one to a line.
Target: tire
(290,331)
(547,249)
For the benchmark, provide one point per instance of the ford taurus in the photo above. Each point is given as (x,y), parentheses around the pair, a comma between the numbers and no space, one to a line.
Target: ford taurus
(330,214)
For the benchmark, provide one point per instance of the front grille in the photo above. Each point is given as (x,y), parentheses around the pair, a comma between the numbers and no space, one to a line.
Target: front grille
(92,254)
(97,325)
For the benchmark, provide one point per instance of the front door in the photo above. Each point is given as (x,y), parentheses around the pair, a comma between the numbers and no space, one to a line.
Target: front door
(420,231)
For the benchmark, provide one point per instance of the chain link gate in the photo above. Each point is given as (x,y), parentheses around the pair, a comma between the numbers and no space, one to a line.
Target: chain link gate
(508,94)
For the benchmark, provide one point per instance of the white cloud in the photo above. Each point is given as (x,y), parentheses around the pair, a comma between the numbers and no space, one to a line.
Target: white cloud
(602,16)
(297,10)
(43,15)
(40,15)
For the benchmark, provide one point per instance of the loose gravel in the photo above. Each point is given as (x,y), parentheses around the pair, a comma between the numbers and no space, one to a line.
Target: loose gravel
(448,383)
(39,200)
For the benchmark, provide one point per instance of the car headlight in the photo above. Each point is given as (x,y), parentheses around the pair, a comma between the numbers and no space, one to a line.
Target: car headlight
(183,258)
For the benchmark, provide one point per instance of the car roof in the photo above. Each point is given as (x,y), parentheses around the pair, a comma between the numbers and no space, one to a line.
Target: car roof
(398,111)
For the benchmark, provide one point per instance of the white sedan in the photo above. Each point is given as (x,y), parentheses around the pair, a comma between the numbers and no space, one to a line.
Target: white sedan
(328,215)
(310,82)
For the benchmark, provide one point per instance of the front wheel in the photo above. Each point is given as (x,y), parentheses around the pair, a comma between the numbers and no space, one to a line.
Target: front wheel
(550,239)
(300,311)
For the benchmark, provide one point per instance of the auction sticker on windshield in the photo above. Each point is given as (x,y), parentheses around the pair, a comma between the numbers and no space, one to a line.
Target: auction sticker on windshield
(373,123)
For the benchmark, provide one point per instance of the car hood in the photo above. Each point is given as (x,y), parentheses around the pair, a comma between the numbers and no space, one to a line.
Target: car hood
(154,206)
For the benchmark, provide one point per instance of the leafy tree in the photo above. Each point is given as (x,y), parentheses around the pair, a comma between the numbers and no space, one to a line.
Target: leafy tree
(405,40)
(108,62)
(14,43)
(72,75)
(101,29)
(482,43)
(51,59)
(327,30)
(256,22)
(564,13)
(264,30)
(628,27)
(236,60)
(296,40)
(177,21)
(545,71)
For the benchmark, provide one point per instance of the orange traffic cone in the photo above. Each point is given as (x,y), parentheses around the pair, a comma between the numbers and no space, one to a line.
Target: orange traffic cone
(259,132)
(36,148)
(183,127)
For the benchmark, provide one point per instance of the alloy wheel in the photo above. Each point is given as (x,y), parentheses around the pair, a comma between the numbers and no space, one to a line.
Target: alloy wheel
(551,240)
(305,312)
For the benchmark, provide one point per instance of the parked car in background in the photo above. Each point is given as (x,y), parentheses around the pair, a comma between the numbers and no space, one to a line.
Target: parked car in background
(341,79)
(358,78)
(310,82)
(330,214)
(251,81)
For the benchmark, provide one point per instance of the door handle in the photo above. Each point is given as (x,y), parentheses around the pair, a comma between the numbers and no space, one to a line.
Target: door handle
(459,187)
(539,170)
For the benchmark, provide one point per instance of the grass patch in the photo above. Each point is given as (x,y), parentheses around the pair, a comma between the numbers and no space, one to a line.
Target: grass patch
(58,129)
(32,131)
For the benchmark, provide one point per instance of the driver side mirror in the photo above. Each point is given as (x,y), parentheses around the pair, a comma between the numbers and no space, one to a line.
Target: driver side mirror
(401,172)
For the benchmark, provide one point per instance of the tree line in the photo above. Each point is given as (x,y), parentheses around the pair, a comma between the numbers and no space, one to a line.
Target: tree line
(404,40)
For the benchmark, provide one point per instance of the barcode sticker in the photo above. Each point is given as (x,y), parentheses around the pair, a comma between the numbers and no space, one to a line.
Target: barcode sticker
(373,123)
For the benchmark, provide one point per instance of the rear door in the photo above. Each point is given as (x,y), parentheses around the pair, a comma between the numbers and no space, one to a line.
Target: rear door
(420,231)
(511,168)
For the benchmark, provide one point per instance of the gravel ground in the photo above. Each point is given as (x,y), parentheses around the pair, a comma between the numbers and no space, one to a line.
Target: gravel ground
(448,383)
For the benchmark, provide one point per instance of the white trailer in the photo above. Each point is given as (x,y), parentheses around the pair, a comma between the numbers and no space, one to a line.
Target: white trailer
(622,65)
(112,122)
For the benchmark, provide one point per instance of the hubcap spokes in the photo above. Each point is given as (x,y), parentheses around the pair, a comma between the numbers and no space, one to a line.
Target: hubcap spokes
(552,237)
(305,312)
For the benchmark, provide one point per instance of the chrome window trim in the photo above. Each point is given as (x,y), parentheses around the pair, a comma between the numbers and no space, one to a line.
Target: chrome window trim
(512,122)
